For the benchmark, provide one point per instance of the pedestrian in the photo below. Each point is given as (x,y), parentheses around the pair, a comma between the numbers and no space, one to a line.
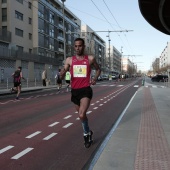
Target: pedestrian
(59,80)
(81,92)
(44,77)
(17,76)
(67,78)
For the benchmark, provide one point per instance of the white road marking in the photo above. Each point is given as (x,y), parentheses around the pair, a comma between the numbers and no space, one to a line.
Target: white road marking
(22,153)
(53,124)
(97,101)
(154,86)
(101,99)
(76,112)
(146,86)
(120,85)
(92,104)
(105,102)
(44,95)
(136,86)
(50,136)
(89,112)
(67,117)
(78,118)
(34,134)
(67,125)
(101,105)
(95,108)
(6,148)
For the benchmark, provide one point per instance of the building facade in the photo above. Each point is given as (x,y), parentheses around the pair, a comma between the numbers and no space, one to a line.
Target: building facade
(113,60)
(165,59)
(33,34)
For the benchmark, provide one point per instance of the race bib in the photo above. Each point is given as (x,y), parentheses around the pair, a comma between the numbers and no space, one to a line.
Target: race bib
(80,71)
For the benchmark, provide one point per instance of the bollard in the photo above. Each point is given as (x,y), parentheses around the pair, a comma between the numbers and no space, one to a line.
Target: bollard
(143,82)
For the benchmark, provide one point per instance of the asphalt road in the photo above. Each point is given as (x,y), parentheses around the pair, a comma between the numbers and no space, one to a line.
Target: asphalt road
(42,131)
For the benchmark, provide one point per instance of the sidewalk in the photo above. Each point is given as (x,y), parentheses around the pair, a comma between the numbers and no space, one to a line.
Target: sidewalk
(142,138)
(27,89)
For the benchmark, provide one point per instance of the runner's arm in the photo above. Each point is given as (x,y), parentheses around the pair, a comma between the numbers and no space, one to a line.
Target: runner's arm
(65,69)
(98,70)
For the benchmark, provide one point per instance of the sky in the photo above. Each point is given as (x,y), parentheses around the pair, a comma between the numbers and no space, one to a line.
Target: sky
(142,43)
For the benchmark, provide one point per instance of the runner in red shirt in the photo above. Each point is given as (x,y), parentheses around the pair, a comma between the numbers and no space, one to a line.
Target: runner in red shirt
(81,92)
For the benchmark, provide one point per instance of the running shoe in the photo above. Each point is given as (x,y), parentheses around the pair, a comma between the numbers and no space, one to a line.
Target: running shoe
(88,139)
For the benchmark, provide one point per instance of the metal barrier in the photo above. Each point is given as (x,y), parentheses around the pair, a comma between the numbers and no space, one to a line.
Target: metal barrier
(26,83)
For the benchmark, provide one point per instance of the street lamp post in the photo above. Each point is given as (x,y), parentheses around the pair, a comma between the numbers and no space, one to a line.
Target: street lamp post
(109,51)
(64,32)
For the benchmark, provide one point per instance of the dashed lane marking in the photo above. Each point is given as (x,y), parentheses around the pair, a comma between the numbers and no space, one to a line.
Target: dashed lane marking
(136,86)
(32,135)
(53,124)
(67,125)
(101,105)
(67,116)
(22,153)
(88,112)
(95,108)
(50,136)
(6,149)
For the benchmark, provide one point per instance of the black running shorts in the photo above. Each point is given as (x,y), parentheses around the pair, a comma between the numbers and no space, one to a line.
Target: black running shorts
(68,81)
(78,94)
(16,84)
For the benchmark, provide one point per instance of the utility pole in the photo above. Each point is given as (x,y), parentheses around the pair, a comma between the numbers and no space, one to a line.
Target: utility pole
(109,51)
(64,36)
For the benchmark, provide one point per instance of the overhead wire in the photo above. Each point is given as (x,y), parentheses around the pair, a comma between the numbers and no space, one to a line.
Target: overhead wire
(117,23)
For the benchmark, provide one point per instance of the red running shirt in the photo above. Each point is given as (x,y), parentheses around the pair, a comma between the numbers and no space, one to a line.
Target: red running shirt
(80,73)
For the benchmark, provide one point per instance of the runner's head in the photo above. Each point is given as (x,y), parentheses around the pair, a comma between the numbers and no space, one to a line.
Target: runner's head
(79,46)
(20,68)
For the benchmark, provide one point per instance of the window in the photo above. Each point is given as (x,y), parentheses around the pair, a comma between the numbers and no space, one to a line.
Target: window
(4,14)
(30,51)
(20,49)
(30,36)
(29,20)
(51,17)
(19,15)
(40,10)
(51,31)
(18,32)
(4,28)
(20,1)
(29,5)
(4,1)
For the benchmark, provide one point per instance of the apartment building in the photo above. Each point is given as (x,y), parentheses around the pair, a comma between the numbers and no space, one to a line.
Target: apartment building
(95,45)
(164,59)
(114,60)
(35,32)
(128,67)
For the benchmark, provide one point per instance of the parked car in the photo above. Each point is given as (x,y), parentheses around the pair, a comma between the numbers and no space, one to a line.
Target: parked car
(159,78)
(105,77)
